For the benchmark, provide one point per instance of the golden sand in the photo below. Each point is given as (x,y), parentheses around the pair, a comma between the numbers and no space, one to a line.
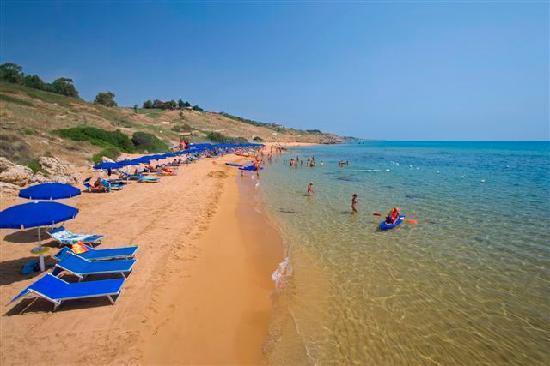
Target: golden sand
(199,293)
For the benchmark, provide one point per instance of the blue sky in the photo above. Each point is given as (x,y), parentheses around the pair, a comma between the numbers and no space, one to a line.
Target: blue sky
(383,70)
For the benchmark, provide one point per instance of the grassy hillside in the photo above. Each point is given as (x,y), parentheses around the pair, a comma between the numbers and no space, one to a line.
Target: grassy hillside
(30,121)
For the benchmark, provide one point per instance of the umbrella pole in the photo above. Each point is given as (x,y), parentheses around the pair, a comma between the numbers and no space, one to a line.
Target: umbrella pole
(41,258)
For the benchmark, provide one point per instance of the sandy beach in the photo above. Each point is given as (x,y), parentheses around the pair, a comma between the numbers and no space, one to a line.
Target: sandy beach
(200,292)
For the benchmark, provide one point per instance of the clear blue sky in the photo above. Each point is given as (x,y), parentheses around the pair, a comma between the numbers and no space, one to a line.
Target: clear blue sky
(400,70)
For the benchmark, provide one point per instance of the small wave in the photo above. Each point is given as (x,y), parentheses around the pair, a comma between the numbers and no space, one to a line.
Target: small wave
(366,170)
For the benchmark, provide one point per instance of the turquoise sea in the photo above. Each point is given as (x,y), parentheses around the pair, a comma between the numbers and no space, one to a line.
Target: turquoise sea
(469,284)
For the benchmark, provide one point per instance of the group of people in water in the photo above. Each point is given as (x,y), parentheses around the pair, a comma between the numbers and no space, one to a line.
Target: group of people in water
(391,217)
(310,162)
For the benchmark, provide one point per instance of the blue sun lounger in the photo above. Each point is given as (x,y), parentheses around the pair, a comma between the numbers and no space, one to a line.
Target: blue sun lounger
(81,267)
(100,254)
(55,290)
(147,179)
(127,176)
(66,237)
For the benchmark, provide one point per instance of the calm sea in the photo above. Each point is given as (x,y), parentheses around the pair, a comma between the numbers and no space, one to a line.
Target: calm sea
(469,284)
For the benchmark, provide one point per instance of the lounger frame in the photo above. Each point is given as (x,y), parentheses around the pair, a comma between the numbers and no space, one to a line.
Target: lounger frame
(82,276)
(56,303)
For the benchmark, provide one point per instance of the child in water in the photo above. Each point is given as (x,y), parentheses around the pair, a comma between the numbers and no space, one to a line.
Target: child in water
(393,215)
(310,190)
(354,202)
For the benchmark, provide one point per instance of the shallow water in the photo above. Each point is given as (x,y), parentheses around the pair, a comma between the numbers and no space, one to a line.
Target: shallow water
(469,284)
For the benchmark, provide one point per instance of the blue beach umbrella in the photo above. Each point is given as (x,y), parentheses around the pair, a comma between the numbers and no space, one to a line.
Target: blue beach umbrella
(129,162)
(49,191)
(36,214)
(106,165)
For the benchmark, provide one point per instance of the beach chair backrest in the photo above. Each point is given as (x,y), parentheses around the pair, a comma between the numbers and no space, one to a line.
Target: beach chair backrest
(48,286)
(56,229)
(62,254)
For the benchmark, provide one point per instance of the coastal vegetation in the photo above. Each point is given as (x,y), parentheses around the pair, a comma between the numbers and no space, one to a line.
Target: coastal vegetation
(144,141)
(13,73)
(219,137)
(107,99)
(274,126)
(110,152)
(171,105)
(98,136)
(114,142)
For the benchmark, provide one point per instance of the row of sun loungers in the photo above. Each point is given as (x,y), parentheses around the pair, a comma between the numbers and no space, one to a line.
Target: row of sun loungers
(82,262)
(108,185)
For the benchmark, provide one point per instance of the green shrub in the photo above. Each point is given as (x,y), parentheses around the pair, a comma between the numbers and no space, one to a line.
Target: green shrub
(146,141)
(29,131)
(218,137)
(34,165)
(109,152)
(98,137)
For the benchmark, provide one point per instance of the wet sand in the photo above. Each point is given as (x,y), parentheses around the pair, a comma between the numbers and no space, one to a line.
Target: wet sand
(199,293)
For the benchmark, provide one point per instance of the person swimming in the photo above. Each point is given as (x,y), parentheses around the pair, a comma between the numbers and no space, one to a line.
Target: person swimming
(393,215)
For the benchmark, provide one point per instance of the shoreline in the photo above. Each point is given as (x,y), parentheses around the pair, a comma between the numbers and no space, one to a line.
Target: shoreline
(180,225)
(226,319)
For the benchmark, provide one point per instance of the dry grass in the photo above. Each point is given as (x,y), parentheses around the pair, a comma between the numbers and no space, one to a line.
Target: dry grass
(24,109)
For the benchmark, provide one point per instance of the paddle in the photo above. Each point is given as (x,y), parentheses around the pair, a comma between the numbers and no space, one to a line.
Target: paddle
(408,221)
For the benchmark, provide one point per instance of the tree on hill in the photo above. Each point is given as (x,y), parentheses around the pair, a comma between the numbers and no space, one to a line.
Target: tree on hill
(171,104)
(65,86)
(11,73)
(34,81)
(197,108)
(107,99)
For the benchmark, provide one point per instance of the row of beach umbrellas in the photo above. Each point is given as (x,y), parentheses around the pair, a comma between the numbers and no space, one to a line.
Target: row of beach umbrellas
(44,211)
(193,149)
(40,212)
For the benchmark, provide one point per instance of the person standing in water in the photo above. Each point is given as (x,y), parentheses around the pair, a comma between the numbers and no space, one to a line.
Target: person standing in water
(354,201)
(310,190)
